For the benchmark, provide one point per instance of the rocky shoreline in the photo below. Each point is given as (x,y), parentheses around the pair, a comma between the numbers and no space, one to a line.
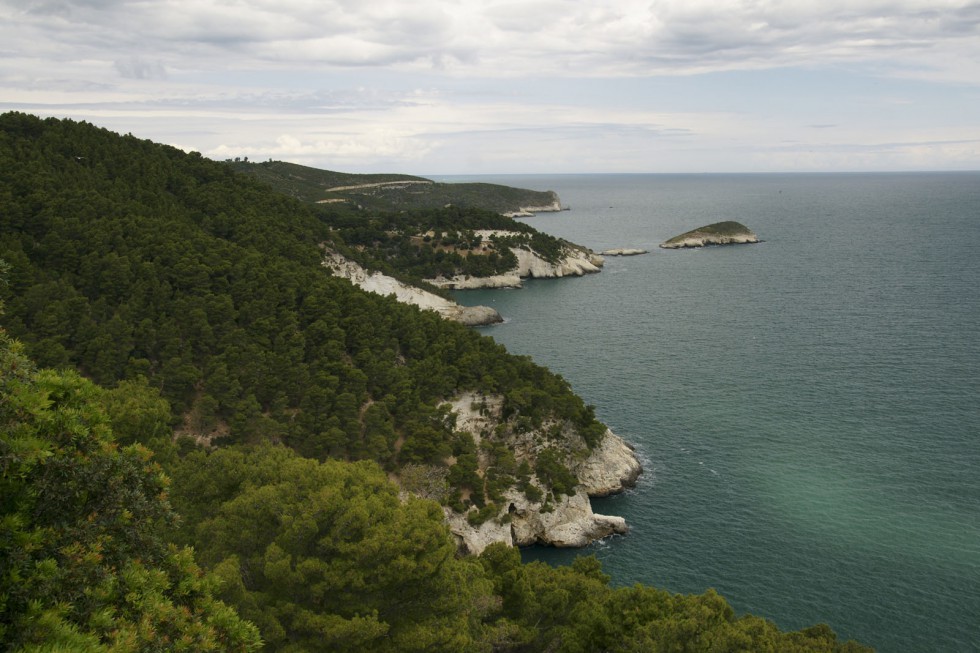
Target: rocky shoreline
(567,521)
(575,262)
(529,211)
(381,284)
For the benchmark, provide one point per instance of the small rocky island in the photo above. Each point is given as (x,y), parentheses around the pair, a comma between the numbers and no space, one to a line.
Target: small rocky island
(719,233)
(623,251)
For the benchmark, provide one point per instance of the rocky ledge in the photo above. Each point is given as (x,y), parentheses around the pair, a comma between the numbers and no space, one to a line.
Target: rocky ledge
(384,285)
(623,251)
(574,262)
(564,521)
(720,233)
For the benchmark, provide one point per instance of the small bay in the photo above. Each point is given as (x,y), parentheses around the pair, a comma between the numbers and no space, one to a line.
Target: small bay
(807,408)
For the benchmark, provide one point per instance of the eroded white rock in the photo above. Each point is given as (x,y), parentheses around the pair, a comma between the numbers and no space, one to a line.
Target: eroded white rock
(384,285)
(565,521)
(610,468)
(574,262)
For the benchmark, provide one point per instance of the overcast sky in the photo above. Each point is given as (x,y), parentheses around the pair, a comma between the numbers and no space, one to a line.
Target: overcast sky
(528,86)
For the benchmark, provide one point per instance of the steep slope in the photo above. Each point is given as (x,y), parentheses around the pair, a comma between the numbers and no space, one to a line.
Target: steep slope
(134,260)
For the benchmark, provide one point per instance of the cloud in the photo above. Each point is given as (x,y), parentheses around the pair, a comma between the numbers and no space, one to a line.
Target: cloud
(138,68)
(566,37)
(638,84)
(378,145)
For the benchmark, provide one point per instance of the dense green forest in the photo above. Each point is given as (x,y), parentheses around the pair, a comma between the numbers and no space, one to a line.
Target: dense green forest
(203,382)
(132,261)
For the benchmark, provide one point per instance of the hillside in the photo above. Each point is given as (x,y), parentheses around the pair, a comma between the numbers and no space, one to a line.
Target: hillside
(393,192)
(185,308)
(132,260)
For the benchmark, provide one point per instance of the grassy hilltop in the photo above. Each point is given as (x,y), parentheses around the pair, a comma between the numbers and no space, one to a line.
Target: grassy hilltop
(389,191)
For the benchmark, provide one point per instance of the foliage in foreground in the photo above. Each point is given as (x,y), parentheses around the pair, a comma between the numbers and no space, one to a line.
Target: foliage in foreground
(85,564)
(318,556)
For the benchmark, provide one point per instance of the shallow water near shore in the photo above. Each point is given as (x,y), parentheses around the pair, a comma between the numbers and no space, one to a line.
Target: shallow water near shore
(807,408)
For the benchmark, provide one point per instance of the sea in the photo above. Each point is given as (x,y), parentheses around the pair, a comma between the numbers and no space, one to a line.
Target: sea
(807,408)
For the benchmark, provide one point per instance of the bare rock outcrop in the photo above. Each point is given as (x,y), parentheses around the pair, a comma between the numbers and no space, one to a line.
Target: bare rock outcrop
(575,261)
(566,522)
(384,285)
(610,468)
(529,211)
(563,520)
(624,251)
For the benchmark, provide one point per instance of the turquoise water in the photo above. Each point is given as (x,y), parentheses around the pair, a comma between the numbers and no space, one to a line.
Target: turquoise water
(808,408)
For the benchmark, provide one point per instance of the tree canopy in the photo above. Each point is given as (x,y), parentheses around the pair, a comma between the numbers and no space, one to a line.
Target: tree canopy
(86,565)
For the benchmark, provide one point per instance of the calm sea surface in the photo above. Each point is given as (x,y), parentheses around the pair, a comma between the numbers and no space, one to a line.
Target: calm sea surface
(808,408)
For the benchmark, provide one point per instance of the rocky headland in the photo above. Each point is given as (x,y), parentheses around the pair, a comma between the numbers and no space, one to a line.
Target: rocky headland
(529,211)
(381,284)
(574,261)
(563,521)
(719,233)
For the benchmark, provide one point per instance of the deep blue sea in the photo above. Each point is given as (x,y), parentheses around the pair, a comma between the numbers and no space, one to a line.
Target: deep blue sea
(807,408)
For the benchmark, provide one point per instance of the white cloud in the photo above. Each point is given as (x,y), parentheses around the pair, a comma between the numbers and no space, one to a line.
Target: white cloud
(424,84)
(568,37)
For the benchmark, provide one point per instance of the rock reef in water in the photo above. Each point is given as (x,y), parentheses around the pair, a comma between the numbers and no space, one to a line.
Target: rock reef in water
(623,251)
(568,520)
(384,285)
(719,233)
(575,261)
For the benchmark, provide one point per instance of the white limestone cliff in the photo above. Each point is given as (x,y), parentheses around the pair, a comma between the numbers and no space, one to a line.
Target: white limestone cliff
(384,285)
(565,521)
(575,261)
(611,467)
(569,522)
(529,211)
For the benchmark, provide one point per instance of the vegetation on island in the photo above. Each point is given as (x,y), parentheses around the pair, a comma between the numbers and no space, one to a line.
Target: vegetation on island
(200,425)
(729,228)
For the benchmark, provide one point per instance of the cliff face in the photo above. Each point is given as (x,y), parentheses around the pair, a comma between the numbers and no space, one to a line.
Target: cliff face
(529,211)
(563,521)
(574,261)
(384,285)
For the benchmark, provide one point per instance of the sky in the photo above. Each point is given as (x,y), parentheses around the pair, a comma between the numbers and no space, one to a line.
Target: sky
(454,87)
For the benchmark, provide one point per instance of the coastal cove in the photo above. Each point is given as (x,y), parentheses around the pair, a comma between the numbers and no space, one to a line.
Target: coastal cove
(804,408)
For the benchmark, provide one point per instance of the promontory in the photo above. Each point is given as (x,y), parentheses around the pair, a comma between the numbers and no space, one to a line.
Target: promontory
(719,233)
